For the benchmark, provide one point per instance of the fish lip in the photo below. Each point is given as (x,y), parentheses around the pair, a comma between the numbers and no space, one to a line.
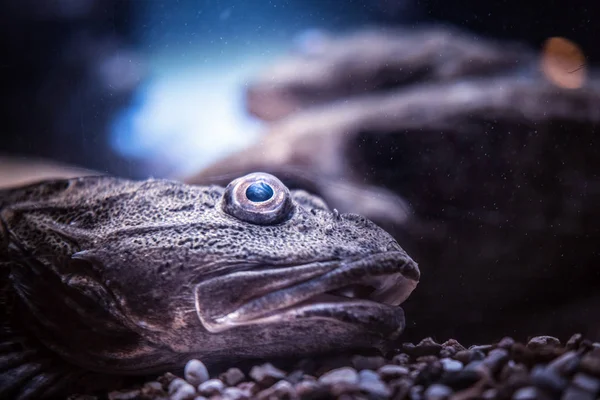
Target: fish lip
(311,298)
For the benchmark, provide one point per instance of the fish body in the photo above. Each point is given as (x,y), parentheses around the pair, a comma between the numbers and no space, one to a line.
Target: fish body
(111,277)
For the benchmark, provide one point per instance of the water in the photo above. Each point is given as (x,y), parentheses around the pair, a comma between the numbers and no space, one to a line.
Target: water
(473,143)
(191,109)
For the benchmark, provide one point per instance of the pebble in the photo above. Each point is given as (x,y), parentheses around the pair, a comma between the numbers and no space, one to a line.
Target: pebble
(430,373)
(249,388)
(401,387)
(370,382)
(566,363)
(451,365)
(416,392)
(513,370)
(211,387)
(232,376)
(341,380)
(438,392)
(506,343)
(307,389)
(591,362)
(195,372)
(526,393)
(340,375)
(574,342)
(483,348)
(295,376)
(391,371)
(233,393)
(280,390)
(176,384)
(463,356)
(549,379)
(266,374)
(476,366)
(539,342)
(496,359)
(179,389)
(588,383)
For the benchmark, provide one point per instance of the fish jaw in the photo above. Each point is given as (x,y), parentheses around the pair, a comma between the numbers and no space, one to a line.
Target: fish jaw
(363,293)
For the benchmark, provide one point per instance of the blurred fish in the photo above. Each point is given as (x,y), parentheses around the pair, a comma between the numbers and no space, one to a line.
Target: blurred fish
(16,171)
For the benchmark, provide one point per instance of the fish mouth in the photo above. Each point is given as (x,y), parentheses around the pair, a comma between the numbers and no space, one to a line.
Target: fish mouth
(363,291)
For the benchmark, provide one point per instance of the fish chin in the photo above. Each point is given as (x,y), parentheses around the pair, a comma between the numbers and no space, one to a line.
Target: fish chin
(363,294)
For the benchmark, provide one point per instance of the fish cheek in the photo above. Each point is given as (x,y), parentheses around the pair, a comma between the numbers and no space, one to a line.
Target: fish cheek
(158,305)
(80,276)
(133,289)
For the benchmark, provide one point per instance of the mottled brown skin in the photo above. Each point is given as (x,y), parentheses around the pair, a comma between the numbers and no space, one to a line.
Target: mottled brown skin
(108,276)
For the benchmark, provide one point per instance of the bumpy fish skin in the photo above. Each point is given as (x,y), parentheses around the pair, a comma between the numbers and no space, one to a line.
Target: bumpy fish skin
(107,276)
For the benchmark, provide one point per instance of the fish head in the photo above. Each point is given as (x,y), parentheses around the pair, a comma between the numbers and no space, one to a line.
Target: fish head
(248,271)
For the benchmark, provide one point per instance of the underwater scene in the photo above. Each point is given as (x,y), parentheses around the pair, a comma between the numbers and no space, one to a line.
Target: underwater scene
(299,199)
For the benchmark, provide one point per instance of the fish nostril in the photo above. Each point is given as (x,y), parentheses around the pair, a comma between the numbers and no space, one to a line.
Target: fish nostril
(393,246)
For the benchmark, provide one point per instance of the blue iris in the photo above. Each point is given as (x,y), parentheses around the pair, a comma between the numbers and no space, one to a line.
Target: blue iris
(258,192)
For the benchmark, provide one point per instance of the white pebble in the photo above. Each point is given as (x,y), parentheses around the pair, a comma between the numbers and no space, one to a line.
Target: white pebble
(181,391)
(451,365)
(211,387)
(233,393)
(371,383)
(176,384)
(340,375)
(195,372)
(437,392)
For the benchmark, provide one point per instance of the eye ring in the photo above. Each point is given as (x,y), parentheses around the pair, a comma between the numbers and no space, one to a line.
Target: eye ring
(258,198)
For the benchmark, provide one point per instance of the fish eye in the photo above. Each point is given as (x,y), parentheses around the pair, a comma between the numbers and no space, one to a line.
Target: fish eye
(258,198)
(259,191)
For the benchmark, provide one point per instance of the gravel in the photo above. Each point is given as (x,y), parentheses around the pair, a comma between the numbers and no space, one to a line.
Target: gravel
(543,368)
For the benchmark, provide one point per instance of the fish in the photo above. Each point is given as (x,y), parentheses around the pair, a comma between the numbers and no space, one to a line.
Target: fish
(105,277)
(332,69)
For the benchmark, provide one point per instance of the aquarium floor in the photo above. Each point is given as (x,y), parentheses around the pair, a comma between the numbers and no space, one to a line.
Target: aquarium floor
(543,368)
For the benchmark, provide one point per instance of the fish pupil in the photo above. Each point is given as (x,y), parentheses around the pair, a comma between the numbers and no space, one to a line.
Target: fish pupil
(258,192)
